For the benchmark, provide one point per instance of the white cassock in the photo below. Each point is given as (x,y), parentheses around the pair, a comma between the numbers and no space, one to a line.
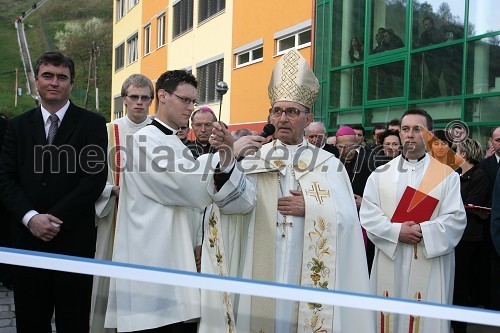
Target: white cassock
(396,272)
(154,229)
(119,131)
(324,249)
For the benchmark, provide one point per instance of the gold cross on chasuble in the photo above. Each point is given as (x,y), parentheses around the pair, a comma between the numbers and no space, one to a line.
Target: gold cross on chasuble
(318,193)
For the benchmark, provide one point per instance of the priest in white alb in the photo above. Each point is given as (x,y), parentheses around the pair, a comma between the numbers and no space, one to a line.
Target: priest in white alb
(303,231)
(413,213)
(137,94)
(153,226)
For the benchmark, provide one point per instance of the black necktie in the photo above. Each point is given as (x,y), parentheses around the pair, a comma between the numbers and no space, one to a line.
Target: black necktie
(54,124)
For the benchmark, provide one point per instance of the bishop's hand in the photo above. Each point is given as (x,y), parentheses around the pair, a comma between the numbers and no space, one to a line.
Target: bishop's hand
(293,205)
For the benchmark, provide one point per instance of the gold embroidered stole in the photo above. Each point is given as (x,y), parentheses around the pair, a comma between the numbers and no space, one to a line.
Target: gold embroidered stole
(320,250)
(215,250)
(319,255)
(420,267)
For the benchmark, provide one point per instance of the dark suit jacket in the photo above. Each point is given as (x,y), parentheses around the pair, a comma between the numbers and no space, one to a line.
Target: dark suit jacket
(495,214)
(490,167)
(359,170)
(64,179)
(331,149)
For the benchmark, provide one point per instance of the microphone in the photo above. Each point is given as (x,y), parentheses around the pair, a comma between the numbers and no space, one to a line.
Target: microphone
(268,130)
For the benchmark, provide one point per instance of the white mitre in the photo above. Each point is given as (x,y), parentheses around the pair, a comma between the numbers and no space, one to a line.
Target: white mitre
(293,80)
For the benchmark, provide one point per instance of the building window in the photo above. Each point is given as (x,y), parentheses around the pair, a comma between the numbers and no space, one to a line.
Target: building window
(249,57)
(118,109)
(161,30)
(208,8)
(120,57)
(296,37)
(132,51)
(183,17)
(147,39)
(132,3)
(208,75)
(120,9)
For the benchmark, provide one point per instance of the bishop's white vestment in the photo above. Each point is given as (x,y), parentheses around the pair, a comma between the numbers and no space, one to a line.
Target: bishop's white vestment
(119,131)
(154,229)
(424,272)
(324,249)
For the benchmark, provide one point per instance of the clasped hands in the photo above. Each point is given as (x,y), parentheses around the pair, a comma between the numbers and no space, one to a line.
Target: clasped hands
(44,226)
(410,233)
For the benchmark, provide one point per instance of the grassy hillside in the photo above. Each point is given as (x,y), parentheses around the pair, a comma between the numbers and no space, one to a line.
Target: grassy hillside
(41,27)
(10,59)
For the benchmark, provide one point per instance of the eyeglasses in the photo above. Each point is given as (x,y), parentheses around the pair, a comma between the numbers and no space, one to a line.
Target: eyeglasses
(290,112)
(135,98)
(185,100)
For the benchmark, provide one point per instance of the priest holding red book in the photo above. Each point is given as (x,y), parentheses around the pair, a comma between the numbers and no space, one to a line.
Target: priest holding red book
(413,213)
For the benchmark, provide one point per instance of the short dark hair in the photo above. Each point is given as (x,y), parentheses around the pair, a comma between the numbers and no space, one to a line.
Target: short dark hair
(387,133)
(359,127)
(440,135)
(58,59)
(420,112)
(394,122)
(170,80)
(378,126)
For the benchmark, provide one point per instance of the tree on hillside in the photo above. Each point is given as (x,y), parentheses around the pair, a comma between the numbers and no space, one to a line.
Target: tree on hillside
(78,36)
(76,41)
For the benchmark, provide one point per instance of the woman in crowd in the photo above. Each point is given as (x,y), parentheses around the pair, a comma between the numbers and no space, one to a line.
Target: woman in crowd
(439,147)
(474,189)
(390,147)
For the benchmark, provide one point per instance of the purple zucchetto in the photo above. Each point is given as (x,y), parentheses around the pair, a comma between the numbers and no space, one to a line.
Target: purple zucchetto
(345,130)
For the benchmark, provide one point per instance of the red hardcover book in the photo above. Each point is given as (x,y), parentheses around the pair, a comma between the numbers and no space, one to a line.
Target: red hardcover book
(414,206)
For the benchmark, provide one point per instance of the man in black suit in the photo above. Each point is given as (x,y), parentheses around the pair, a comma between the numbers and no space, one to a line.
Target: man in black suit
(491,262)
(316,134)
(53,170)
(495,215)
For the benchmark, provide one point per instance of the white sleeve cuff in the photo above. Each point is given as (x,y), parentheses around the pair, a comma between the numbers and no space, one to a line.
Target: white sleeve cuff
(27,217)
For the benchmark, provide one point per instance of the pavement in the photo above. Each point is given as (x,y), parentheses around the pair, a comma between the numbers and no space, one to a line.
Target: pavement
(8,316)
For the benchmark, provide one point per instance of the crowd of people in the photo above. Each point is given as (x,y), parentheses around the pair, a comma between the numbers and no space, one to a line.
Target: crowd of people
(404,217)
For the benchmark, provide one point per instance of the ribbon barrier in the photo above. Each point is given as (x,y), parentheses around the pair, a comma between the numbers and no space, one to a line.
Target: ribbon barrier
(242,286)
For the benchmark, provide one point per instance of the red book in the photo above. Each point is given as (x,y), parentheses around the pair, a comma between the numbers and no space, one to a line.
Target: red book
(414,206)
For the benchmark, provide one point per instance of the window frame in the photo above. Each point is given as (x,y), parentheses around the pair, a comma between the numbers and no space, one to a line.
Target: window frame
(204,6)
(147,39)
(181,24)
(120,48)
(161,31)
(120,9)
(296,46)
(132,49)
(208,73)
(251,58)
(132,4)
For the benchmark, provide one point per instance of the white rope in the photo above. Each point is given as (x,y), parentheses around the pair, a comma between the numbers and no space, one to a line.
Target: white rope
(248,287)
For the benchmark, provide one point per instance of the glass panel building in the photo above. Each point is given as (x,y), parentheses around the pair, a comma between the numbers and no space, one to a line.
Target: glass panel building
(377,58)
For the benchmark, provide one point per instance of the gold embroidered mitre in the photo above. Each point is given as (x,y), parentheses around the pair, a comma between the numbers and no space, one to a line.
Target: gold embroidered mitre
(293,80)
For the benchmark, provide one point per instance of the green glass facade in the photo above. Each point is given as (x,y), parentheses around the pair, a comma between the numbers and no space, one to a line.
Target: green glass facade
(376,58)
